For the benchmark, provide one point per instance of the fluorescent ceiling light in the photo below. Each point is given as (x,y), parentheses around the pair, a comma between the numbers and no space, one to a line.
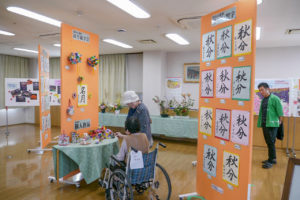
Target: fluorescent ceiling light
(111,41)
(34,15)
(26,50)
(6,33)
(258,33)
(259,2)
(56,45)
(177,38)
(130,8)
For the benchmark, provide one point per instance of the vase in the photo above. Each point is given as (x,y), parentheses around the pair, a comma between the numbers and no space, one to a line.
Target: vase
(117,112)
(103,110)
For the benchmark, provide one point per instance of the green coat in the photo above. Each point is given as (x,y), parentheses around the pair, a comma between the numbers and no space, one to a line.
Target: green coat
(274,111)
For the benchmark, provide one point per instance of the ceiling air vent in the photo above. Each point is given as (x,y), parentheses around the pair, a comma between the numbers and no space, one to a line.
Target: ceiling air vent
(293,31)
(149,41)
(188,23)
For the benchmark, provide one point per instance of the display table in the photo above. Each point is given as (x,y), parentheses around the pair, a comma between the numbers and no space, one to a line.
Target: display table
(90,159)
(171,127)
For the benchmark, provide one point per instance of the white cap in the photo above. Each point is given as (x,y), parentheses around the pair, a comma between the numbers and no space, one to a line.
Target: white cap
(130,97)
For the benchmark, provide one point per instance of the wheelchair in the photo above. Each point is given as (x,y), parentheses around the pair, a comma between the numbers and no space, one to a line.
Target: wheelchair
(151,182)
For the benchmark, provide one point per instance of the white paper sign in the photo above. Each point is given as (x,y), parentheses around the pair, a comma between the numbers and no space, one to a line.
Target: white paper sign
(207,83)
(174,88)
(136,160)
(224,44)
(242,38)
(208,46)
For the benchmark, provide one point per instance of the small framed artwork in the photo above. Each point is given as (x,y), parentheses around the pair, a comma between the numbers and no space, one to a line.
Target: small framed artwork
(292,180)
(191,72)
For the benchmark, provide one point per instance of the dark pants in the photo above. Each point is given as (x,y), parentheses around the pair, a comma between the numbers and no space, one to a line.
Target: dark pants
(270,138)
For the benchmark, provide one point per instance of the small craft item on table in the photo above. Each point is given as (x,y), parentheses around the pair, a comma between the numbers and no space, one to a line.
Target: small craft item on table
(85,139)
(63,140)
(75,138)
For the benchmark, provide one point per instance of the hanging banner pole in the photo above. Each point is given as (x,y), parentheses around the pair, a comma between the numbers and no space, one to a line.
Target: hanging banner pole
(6,132)
(287,138)
(294,134)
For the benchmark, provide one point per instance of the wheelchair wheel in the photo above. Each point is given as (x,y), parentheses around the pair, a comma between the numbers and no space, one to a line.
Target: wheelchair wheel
(161,188)
(120,186)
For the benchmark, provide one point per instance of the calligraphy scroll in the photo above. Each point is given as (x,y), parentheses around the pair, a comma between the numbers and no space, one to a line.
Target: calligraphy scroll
(241,83)
(240,127)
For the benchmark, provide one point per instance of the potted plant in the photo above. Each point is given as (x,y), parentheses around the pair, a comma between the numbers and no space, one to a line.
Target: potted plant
(115,108)
(163,104)
(103,107)
(182,108)
(118,107)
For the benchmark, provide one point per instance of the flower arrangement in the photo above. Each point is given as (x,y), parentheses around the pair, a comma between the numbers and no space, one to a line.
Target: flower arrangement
(182,108)
(103,107)
(163,104)
(101,133)
(115,107)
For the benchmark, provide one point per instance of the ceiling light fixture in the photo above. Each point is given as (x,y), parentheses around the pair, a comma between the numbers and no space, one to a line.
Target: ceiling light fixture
(56,45)
(130,8)
(258,29)
(120,44)
(259,2)
(33,15)
(6,33)
(177,38)
(26,50)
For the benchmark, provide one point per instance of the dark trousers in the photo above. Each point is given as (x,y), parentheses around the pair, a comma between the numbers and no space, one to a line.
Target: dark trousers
(270,138)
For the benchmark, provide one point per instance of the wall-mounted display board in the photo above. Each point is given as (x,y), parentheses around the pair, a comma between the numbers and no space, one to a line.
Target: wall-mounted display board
(227,70)
(25,92)
(79,80)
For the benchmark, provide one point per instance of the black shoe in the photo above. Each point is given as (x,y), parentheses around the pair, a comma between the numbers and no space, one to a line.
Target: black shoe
(267,165)
(272,162)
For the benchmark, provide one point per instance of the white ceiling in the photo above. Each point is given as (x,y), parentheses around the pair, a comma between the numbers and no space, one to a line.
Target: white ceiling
(104,19)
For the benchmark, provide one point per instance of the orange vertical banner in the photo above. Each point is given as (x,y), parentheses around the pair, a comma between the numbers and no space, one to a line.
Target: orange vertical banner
(227,74)
(45,117)
(79,80)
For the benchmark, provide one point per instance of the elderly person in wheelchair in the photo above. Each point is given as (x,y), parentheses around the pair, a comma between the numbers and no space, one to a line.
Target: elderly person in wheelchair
(140,173)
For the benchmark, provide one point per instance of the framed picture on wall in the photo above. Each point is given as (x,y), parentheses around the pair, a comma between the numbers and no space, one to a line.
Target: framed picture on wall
(191,72)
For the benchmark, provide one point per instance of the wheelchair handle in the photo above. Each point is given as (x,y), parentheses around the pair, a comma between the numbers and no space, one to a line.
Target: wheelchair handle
(162,144)
(117,161)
